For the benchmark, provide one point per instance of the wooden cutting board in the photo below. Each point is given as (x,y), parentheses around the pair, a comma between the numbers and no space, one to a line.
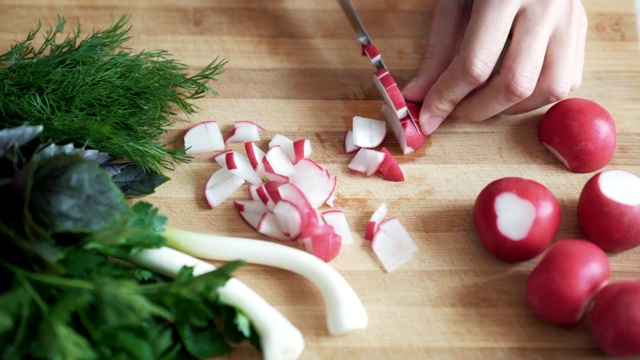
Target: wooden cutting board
(294,68)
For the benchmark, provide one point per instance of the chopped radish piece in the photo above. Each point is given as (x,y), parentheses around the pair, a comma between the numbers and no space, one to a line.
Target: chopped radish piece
(239,165)
(315,182)
(391,93)
(203,137)
(265,196)
(301,150)
(221,185)
(381,73)
(366,161)
(331,200)
(389,168)
(292,194)
(368,133)
(338,220)
(250,206)
(289,218)
(277,165)
(251,218)
(285,143)
(349,146)
(373,54)
(244,131)
(221,157)
(392,244)
(409,136)
(322,241)
(268,226)
(375,220)
(255,155)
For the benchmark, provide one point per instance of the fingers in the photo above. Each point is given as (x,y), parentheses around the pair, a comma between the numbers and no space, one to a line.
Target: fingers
(519,73)
(484,39)
(447,27)
(563,64)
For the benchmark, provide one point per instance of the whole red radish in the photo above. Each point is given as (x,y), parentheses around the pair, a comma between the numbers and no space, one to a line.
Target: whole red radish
(609,210)
(560,288)
(615,319)
(516,218)
(580,133)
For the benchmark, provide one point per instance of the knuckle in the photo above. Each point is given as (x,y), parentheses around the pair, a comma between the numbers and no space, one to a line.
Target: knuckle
(520,86)
(476,70)
(558,90)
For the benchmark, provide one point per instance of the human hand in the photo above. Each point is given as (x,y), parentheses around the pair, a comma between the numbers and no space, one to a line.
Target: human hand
(487,57)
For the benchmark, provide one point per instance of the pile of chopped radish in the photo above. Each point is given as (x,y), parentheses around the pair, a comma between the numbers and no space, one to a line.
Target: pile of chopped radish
(287,191)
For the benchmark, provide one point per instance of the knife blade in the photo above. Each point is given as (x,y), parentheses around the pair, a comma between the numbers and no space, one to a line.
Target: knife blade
(361,33)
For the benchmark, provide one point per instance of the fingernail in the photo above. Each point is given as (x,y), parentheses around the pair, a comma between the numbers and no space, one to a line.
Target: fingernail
(430,124)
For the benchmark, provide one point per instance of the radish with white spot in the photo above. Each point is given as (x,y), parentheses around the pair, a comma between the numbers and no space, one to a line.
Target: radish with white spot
(368,133)
(244,131)
(409,136)
(516,218)
(615,319)
(609,210)
(580,133)
(393,244)
(561,287)
(203,137)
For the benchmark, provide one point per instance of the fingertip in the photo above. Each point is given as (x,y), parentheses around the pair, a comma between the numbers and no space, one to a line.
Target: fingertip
(429,122)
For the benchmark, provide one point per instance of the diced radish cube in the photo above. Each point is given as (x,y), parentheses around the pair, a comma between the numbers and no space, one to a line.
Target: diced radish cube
(375,220)
(368,133)
(301,150)
(322,241)
(221,185)
(203,137)
(349,146)
(338,220)
(390,169)
(244,131)
(366,161)
(277,165)
(239,165)
(393,245)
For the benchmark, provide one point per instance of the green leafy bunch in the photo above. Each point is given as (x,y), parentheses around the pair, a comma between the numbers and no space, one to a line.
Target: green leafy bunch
(95,92)
(66,289)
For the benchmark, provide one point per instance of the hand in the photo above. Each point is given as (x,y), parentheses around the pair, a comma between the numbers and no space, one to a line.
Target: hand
(487,57)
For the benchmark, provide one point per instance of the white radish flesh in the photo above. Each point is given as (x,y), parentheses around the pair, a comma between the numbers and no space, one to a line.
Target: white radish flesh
(366,161)
(620,186)
(244,131)
(515,215)
(368,133)
(349,146)
(239,165)
(203,137)
(277,165)
(221,185)
(393,245)
(279,339)
(345,312)
(338,220)
(375,220)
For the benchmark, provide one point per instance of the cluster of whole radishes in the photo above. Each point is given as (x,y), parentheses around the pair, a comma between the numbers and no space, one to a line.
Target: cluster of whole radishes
(517,220)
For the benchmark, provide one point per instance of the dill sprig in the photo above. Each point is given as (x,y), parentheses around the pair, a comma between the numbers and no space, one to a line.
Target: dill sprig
(96,93)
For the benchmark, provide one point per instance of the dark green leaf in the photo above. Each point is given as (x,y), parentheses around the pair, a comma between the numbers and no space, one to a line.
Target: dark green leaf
(203,342)
(134,180)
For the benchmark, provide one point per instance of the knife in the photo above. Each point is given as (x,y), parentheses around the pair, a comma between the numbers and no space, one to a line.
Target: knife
(361,34)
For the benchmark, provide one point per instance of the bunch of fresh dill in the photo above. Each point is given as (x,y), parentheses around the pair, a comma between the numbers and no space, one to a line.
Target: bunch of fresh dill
(96,93)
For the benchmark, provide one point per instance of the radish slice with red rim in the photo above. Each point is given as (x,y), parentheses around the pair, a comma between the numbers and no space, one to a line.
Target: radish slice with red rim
(375,220)
(221,185)
(368,133)
(390,169)
(203,137)
(277,165)
(239,165)
(244,131)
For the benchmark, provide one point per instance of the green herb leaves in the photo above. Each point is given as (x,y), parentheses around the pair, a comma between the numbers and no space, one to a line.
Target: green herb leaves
(95,92)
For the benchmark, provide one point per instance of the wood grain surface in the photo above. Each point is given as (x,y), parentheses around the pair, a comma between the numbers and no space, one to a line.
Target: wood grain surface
(294,68)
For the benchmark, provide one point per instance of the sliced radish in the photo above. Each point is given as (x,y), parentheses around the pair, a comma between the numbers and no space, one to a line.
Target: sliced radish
(203,137)
(252,218)
(254,154)
(362,42)
(265,195)
(391,93)
(408,135)
(338,220)
(390,169)
(239,165)
(368,133)
(314,181)
(250,206)
(322,241)
(289,218)
(366,161)
(393,244)
(349,146)
(285,143)
(222,184)
(291,193)
(269,226)
(375,220)
(301,150)
(277,165)
(373,54)
(244,131)
(221,157)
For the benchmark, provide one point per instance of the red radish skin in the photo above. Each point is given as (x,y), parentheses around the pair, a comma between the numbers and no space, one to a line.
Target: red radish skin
(372,53)
(615,319)
(609,210)
(561,287)
(516,218)
(580,133)
(390,169)
(408,135)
